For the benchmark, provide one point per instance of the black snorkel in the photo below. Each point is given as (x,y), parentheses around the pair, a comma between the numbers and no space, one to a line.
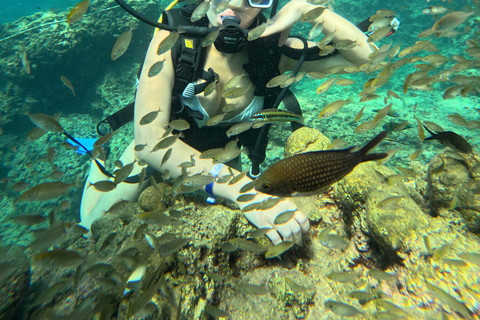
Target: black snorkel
(189,30)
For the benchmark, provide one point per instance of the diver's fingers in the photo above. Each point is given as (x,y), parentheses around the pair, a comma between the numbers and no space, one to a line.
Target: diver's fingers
(285,231)
(296,231)
(274,237)
(302,220)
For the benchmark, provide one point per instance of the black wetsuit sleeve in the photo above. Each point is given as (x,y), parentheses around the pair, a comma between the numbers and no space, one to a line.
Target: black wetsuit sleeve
(312,53)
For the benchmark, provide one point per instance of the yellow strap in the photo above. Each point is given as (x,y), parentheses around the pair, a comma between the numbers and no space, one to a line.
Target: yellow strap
(160,20)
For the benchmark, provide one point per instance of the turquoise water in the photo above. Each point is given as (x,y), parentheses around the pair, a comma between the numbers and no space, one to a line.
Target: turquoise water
(443,205)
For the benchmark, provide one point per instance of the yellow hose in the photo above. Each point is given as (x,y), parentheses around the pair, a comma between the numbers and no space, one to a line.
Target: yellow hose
(160,20)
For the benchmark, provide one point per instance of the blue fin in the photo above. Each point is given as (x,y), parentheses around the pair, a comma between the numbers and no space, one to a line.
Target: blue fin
(87,143)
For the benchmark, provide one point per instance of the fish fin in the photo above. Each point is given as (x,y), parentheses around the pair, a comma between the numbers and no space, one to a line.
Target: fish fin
(429,131)
(374,142)
(300,120)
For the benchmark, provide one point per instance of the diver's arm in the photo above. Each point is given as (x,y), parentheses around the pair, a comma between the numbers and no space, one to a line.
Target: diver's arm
(292,12)
(154,93)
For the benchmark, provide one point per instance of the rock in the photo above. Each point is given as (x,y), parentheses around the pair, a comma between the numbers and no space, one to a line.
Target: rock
(454,186)
(392,226)
(153,199)
(105,225)
(305,140)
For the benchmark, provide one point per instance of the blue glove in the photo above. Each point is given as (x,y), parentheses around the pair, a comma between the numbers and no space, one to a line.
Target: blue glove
(87,143)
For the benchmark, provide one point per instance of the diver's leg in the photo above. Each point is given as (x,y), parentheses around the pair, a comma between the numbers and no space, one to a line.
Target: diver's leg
(94,203)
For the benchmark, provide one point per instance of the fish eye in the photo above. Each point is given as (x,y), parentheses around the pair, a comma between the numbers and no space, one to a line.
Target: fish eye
(266,186)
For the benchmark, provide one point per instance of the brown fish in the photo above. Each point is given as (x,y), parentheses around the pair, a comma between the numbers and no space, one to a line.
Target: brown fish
(46,191)
(78,11)
(68,84)
(122,43)
(45,122)
(451,139)
(310,173)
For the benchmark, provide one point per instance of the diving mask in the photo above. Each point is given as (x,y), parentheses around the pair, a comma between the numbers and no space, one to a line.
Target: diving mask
(260,4)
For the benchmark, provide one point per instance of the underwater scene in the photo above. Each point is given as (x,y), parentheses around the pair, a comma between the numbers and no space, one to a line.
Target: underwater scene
(369,209)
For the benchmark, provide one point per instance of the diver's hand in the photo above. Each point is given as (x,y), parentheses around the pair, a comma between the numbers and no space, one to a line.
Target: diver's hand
(287,17)
(289,231)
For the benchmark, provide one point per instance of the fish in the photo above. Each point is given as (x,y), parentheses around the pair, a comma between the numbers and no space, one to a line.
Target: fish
(155,69)
(237,178)
(451,139)
(250,289)
(379,34)
(45,122)
(179,124)
(139,147)
(104,185)
(276,115)
(359,114)
(211,37)
(122,43)
(277,250)
(25,62)
(212,310)
(341,309)
(450,21)
(221,7)
(450,301)
(326,85)
(200,11)
(235,92)
(28,219)
(284,217)
(68,84)
(36,133)
(256,32)
(380,275)
(216,120)
(333,241)
(123,173)
(332,108)
(239,128)
(246,245)
(259,232)
(170,40)
(172,246)
(103,139)
(78,12)
(342,277)
(316,31)
(278,80)
(435,10)
(313,14)
(165,143)
(155,217)
(59,258)
(247,187)
(47,191)
(166,156)
(226,155)
(312,172)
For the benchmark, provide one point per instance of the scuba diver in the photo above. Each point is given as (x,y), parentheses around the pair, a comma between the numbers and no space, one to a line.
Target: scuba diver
(177,92)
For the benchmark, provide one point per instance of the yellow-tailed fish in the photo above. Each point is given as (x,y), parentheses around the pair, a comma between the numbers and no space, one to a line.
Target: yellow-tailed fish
(78,11)
(276,115)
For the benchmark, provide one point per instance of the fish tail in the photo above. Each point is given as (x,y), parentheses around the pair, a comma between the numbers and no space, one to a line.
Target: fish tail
(372,144)
(429,131)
